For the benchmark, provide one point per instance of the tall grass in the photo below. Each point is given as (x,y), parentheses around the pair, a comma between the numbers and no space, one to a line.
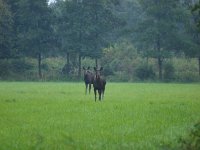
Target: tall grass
(60,116)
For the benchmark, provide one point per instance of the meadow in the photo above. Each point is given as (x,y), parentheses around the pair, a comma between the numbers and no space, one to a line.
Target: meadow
(58,116)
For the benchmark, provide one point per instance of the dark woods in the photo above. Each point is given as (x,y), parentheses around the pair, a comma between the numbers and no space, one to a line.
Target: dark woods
(97,79)
(135,40)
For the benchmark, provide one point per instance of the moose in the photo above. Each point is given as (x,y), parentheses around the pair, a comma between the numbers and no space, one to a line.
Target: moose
(88,78)
(99,83)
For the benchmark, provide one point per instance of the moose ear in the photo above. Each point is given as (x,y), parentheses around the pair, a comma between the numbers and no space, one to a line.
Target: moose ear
(95,69)
(88,68)
(101,68)
(83,68)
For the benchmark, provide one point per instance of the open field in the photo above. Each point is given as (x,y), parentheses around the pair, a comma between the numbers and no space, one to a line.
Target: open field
(57,116)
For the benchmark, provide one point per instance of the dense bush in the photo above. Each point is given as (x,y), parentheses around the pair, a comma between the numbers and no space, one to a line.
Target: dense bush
(187,76)
(127,66)
(120,61)
(192,141)
(20,66)
(188,141)
(186,70)
(4,68)
(145,72)
(169,72)
(14,69)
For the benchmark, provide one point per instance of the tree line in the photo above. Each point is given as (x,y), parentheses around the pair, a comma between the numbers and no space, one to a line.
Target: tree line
(78,29)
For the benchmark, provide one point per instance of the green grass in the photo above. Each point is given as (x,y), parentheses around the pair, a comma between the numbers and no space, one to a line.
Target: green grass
(57,116)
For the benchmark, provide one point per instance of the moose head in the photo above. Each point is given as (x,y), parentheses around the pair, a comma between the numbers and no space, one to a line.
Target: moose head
(98,72)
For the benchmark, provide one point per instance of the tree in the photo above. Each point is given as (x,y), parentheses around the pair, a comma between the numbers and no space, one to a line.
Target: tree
(35,30)
(15,9)
(158,31)
(101,21)
(83,26)
(70,29)
(61,27)
(119,60)
(5,31)
(195,31)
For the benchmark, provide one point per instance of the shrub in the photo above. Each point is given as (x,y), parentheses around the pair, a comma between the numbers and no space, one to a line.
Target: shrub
(187,76)
(145,72)
(4,68)
(169,72)
(20,66)
(192,141)
(108,71)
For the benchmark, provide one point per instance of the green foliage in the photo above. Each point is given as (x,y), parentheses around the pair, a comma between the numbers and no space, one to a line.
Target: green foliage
(169,72)
(145,72)
(108,30)
(186,69)
(121,60)
(159,29)
(20,66)
(192,141)
(5,31)
(84,36)
(83,27)
(196,8)
(35,32)
(4,71)
(187,76)
(26,69)
(14,69)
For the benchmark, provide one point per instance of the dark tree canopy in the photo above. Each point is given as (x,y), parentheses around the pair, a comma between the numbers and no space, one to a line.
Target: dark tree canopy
(6,21)
(78,30)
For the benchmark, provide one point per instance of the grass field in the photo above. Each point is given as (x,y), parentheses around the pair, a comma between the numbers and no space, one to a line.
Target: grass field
(58,116)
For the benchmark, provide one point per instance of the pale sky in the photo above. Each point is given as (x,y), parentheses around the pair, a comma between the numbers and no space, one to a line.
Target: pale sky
(50,1)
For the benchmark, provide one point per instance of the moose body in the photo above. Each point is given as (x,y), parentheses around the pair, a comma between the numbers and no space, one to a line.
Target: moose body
(99,84)
(88,78)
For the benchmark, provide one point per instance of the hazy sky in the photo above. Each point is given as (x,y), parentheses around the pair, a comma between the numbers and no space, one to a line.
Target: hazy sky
(51,1)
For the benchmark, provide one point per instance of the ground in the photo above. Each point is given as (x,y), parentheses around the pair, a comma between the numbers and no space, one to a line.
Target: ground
(47,115)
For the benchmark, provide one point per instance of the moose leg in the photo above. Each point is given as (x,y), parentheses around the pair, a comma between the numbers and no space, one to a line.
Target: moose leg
(86,85)
(103,93)
(95,94)
(89,88)
(99,91)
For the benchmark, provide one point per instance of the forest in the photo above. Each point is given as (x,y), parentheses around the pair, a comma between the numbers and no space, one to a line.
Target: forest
(133,40)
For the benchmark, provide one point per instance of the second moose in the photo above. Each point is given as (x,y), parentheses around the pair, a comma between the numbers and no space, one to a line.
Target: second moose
(99,83)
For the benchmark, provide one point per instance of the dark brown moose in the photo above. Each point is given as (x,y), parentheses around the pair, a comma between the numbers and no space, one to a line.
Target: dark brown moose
(88,78)
(99,83)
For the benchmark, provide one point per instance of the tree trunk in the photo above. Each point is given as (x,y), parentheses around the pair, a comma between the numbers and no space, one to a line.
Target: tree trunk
(96,62)
(67,58)
(159,58)
(199,65)
(160,67)
(79,66)
(68,64)
(96,36)
(39,66)
(147,59)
